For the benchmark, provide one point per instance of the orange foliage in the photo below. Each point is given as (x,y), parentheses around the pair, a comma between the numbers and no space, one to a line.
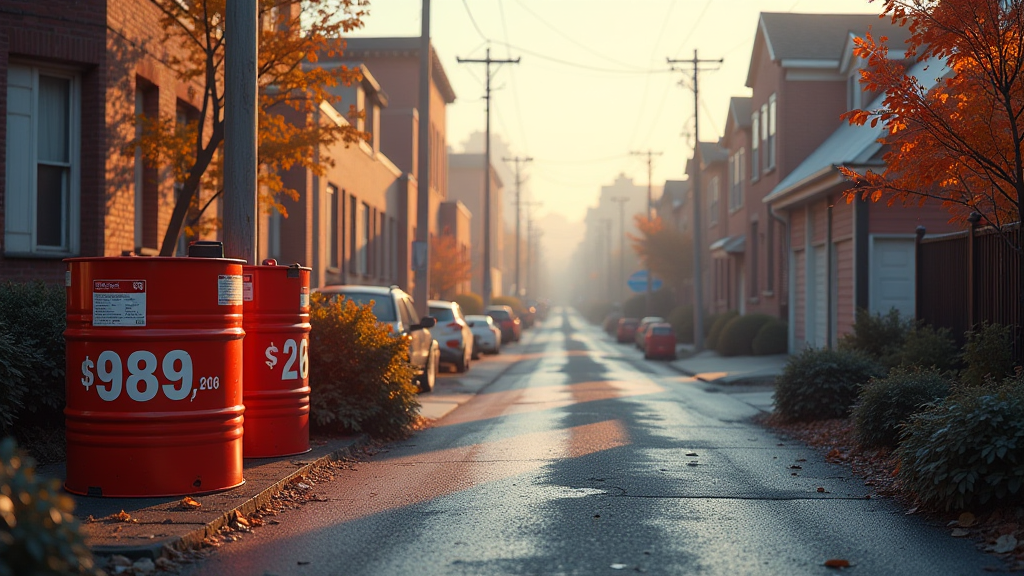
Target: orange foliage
(959,141)
(667,252)
(449,265)
(291,87)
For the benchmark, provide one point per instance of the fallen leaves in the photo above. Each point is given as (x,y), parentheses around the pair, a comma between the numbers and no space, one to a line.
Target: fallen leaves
(1005,543)
(837,563)
(190,503)
(122,516)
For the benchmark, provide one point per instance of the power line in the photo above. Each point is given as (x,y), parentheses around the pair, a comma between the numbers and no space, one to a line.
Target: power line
(518,161)
(647,81)
(558,31)
(577,65)
(473,20)
(693,28)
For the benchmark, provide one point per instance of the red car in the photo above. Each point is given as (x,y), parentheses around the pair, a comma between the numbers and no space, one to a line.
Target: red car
(507,322)
(626,330)
(660,341)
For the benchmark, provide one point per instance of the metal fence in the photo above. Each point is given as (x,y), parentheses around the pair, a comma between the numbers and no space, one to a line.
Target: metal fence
(969,277)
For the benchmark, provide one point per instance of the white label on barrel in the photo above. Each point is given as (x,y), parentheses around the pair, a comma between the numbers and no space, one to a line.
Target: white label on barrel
(119,303)
(304,297)
(229,290)
(67,278)
(247,287)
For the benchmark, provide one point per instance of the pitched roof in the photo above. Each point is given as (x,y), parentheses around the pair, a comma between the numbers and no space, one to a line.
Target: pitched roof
(816,38)
(711,152)
(740,109)
(849,145)
(356,48)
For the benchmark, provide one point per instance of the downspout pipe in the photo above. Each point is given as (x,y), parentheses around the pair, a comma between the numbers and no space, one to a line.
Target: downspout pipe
(784,222)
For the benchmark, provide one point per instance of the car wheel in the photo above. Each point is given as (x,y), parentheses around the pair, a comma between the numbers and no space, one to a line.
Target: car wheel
(463,364)
(429,376)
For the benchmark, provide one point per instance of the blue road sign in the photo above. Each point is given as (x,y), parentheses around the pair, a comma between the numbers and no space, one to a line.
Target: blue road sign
(638,282)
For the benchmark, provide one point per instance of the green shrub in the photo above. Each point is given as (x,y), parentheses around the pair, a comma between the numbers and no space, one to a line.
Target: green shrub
(681,319)
(885,404)
(818,384)
(470,303)
(717,326)
(32,319)
(38,533)
(988,355)
(737,337)
(512,301)
(772,338)
(359,371)
(966,451)
(928,347)
(880,337)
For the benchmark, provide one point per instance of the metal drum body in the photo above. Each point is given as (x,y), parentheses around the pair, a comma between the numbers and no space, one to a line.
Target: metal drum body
(276,360)
(154,376)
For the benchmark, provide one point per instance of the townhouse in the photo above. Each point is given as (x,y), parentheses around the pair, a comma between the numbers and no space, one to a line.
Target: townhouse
(73,78)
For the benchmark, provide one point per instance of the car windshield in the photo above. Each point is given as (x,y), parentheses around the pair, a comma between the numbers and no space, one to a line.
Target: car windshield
(383,305)
(479,320)
(498,314)
(442,314)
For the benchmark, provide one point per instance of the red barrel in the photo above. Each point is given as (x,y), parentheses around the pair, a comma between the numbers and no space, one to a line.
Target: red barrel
(276,360)
(154,375)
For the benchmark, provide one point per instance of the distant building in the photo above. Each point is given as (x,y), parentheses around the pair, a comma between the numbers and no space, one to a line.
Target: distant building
(466,185)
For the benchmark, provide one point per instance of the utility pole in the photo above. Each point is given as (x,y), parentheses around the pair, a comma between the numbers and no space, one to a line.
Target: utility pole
(487,169)
(621,200)
(698,298)
(650,202)
(608,266)
(518,161)
(529,246)
(240,56)
(421,257)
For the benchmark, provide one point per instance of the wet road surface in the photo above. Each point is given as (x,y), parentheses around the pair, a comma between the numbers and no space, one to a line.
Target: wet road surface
(582,458)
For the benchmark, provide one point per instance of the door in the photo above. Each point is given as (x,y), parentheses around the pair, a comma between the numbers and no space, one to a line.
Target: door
(892,276)
(817,319)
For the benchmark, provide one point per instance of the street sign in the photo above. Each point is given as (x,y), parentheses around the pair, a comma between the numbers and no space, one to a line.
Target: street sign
(638,282)
(419,256)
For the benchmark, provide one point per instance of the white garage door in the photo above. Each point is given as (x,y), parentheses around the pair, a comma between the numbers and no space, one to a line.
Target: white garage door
(892,275)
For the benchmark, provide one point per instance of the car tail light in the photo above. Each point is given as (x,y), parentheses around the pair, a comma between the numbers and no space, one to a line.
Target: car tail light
(453,343)
(454,326)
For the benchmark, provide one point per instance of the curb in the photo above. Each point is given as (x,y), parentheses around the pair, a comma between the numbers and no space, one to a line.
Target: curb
(194,537)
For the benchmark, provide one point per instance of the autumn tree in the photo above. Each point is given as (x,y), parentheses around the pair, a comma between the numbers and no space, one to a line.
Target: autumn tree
(665,251)
(293,34)
(450,265)
(959,140)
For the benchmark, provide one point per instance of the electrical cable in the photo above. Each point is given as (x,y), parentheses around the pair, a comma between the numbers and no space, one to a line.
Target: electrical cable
(473,20)
(558,31)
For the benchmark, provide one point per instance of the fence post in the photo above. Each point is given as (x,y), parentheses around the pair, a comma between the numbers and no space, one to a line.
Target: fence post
(920,231)
(971,304)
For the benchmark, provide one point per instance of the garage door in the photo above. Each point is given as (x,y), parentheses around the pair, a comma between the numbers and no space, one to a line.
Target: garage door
(892,276)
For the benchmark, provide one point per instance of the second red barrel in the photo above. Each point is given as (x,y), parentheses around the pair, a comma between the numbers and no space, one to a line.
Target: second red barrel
(275,360)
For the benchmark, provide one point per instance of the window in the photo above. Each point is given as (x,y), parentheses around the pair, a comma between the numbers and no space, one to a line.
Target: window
(853,91)
(755,135)
(754,260)
(42,201)
(353,219)
(736,176)
(333,261)
(769,128)
(364,239)
(769,281)
(713,200)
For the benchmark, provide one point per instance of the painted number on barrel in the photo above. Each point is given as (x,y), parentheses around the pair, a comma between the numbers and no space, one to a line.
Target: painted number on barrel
(142,384)
(294,353)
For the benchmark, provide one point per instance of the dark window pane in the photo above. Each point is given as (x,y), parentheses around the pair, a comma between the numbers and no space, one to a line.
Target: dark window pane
(442,314)
(51,184)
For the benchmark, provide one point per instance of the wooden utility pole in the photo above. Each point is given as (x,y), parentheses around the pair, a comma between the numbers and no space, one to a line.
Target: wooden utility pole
(698,297)
(518,160)
(650,203)
(421,257)
(240,52)
(487,289)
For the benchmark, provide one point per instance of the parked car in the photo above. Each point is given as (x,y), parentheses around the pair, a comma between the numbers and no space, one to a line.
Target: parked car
(626,330)
(646,321)
(486,335)
(392,306)
(507,321)
(660,341)
(452,333)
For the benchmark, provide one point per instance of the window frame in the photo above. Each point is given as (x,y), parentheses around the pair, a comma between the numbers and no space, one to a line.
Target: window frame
(755,149)
(21,222)
(714,196)
(771,140)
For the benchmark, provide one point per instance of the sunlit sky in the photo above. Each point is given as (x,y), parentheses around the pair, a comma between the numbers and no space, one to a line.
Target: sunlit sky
(592,84)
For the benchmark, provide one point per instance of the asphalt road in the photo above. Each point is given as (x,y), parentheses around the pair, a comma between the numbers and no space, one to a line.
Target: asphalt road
(584,459)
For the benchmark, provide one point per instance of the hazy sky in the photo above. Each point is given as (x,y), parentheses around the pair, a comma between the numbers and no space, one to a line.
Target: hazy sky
(592,84)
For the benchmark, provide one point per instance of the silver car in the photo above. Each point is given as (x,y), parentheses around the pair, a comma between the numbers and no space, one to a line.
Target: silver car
(486,336)
(452,334)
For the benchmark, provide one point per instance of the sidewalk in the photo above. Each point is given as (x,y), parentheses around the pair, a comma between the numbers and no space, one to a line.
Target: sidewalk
(708,366)
(144,527)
